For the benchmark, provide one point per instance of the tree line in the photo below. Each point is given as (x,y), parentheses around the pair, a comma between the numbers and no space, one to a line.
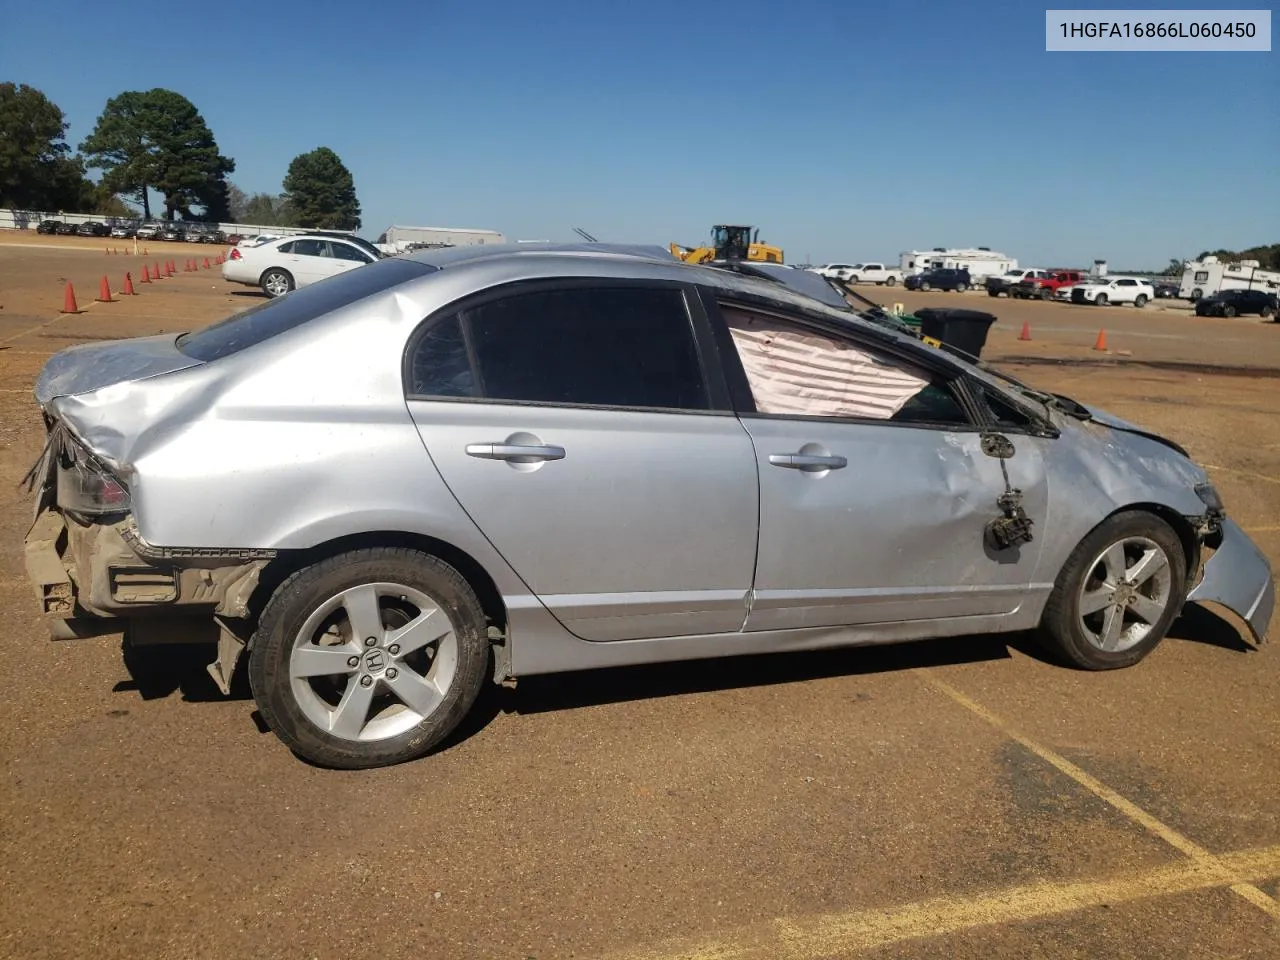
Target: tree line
(155,140)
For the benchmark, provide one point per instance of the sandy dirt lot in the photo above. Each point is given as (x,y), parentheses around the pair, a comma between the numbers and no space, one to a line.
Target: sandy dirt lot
(952,799)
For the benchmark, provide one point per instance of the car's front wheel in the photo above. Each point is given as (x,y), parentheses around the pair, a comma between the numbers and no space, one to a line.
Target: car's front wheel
(962,287)
(1101,300)
(924,285)
(1228,311)
(1118,593)
(1140,301)
(277,282)
(891,282)
(369,658)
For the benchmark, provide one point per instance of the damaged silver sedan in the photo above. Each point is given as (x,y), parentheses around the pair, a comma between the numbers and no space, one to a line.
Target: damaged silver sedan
(496,462)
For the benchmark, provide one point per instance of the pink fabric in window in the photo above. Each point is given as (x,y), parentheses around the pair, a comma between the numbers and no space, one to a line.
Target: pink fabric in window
(792,370)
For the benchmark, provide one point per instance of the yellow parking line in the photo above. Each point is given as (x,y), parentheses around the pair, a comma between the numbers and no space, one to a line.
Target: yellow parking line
(1244,473)
(1199,856)
(839,934)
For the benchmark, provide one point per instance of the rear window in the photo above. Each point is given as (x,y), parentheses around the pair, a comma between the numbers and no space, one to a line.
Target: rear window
(274,317)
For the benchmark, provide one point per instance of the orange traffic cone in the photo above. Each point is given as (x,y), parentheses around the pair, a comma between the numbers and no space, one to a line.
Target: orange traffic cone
(104,291)
(146,274)
(168,268)
(206,263)
(156,271)
(128,286)
(69,301)
(1026,331)
(1101,342)
(105,251)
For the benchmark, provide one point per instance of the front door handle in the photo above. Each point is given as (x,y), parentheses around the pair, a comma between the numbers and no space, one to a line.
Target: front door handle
(516,452)
(807,461)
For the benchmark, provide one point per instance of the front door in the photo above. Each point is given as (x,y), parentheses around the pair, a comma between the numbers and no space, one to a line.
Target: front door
(875,491)
(577,427)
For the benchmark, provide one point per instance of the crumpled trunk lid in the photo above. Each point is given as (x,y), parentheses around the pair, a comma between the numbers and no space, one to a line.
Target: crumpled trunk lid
(92,366)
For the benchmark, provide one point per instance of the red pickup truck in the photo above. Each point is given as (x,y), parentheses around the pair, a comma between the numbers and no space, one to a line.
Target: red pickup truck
(1043,288)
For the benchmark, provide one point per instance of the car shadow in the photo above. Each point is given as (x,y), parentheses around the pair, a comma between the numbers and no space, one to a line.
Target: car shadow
(156,672)
(540,694)
(250,294)
(1199,624)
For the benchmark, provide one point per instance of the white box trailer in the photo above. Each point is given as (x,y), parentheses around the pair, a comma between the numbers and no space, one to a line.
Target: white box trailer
(981,262)
(1201,278)
(398,239)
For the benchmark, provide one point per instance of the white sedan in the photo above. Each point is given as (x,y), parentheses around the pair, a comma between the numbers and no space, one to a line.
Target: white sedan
(287,263)
(1104,290)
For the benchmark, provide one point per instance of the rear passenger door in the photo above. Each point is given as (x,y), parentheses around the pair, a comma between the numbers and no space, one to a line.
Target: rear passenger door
(583,429)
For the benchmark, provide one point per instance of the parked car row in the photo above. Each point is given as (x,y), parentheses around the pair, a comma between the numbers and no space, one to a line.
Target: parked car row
(151,230)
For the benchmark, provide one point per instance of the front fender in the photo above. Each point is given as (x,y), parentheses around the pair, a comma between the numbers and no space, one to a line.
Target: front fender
(1238,577)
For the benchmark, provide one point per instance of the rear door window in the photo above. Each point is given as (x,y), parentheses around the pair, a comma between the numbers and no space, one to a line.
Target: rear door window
(595,346)
(309,247)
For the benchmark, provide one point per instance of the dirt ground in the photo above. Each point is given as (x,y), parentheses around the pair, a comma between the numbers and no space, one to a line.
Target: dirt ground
(961,798)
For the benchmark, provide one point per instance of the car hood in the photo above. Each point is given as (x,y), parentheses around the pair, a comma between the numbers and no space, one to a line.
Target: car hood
(93,366)
(1098,415)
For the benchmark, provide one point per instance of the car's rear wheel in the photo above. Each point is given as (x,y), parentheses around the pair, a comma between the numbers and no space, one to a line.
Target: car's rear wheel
(1117,594)
(891,281)
(924,285)
(852,278)
(1196,294)
(1228,311)
(1267,312)
(1140,300)
(276,282)
(1046,293)
(1101,300)
(369,658)
(962,287)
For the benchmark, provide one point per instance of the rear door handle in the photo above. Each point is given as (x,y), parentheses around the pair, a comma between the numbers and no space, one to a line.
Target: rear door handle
(518,452)
(806,461)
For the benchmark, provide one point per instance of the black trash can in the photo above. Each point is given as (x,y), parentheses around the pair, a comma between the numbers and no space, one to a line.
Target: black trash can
(963,329)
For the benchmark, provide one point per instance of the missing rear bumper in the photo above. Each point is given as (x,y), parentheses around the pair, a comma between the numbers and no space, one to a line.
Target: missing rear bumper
(85,571)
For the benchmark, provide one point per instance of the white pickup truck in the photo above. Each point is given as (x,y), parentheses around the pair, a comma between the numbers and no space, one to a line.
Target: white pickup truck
(872,273)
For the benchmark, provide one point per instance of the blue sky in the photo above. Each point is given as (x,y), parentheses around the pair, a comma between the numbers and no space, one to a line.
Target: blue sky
(842,130)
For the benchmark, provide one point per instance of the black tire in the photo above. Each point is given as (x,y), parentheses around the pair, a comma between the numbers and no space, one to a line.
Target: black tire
(1140,301)
(1061,628)
(1267,312)
(852,278)
(1228,311)
(962,287)
(306,592)
(1100,300)
(1046,293)
(273,279)
(993,293)
(925,286)
(891,281)
(1196,294)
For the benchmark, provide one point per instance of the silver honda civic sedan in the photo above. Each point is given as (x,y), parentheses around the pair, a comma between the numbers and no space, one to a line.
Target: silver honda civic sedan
(494,462)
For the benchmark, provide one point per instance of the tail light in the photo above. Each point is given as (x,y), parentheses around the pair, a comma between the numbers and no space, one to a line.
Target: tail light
(235,254)
(87,487)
